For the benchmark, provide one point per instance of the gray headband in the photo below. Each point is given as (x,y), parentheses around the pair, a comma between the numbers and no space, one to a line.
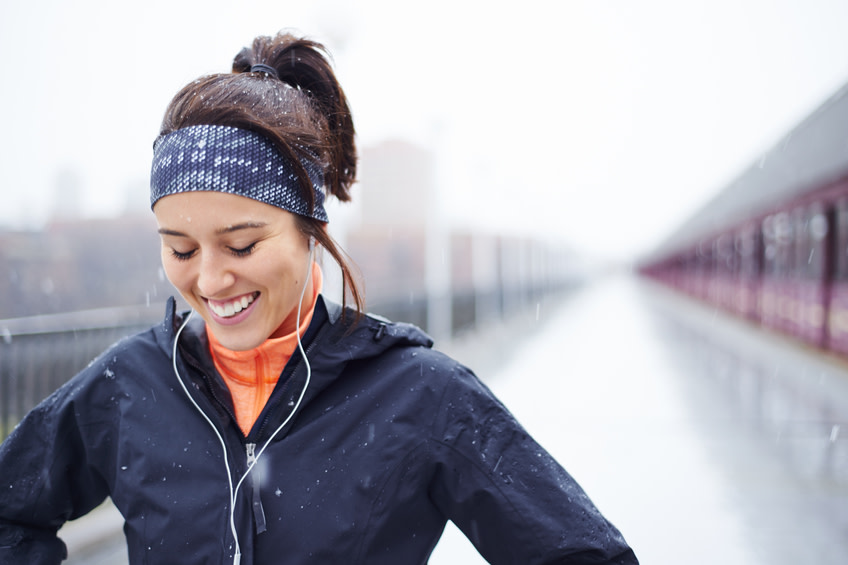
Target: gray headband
(232,160)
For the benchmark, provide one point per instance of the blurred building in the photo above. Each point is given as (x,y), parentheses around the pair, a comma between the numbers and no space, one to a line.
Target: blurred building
(389,242)
(79,265)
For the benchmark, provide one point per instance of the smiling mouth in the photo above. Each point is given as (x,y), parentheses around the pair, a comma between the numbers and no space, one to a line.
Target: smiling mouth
(230,308)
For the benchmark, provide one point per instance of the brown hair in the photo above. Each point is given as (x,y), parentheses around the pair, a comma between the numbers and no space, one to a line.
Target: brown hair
(303,112)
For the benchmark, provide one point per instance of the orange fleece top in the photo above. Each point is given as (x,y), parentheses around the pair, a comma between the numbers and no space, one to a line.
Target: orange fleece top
(252,375)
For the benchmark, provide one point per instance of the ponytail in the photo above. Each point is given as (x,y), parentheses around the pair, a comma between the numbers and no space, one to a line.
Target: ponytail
(303,64)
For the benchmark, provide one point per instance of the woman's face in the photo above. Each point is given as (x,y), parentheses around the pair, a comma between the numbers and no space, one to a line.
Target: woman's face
(241,264)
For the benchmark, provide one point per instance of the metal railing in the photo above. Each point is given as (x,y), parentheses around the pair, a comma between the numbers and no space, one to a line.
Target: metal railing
(41,353)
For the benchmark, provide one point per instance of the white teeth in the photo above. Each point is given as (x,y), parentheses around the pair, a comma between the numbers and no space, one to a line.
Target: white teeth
(231,308)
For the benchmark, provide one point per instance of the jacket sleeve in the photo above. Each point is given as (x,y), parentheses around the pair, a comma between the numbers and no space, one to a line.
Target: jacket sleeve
(512,500)
(46,478)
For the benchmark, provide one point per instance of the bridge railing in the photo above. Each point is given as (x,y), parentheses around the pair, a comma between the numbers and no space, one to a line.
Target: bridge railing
(38,354)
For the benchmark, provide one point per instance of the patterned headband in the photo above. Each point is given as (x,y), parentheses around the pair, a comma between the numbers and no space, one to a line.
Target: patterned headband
(232,160)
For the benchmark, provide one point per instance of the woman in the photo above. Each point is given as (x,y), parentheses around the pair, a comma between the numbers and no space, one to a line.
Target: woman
(271,425)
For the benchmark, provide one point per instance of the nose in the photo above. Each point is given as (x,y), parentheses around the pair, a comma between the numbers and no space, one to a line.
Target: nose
(214,276)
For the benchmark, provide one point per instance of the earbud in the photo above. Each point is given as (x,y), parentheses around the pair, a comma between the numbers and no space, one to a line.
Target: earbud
(311,243)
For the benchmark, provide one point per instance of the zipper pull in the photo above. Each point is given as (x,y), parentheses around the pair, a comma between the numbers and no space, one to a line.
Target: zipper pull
(251,453)
(258,511)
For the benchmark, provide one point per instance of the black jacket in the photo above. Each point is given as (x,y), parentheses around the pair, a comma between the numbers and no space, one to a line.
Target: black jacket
(391,440)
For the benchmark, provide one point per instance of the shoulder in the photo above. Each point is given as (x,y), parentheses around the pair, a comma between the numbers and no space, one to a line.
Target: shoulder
(132,363)
(136,350)
(142,350)
(430,375)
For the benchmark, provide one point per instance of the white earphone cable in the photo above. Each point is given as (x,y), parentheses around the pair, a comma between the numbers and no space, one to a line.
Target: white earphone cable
(234,491)
(214,429)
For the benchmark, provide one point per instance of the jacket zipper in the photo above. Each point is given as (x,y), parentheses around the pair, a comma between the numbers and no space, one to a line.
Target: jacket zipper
(255,479)
(250,448)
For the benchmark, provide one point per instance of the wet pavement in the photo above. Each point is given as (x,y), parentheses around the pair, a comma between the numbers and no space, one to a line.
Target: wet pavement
(704,439)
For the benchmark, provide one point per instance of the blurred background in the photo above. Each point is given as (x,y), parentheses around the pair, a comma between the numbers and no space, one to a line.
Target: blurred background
(531,173)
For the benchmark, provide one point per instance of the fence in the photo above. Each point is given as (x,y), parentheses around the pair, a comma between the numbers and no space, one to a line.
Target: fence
(39,354)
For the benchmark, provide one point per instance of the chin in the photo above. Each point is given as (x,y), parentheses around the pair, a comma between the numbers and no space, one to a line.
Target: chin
(237,342)
(234,339)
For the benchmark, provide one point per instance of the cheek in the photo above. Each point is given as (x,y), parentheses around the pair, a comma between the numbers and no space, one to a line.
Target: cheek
(174,270)
(284,279)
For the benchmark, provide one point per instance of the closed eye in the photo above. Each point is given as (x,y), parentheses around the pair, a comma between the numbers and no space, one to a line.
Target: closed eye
(180,256)
(243,251)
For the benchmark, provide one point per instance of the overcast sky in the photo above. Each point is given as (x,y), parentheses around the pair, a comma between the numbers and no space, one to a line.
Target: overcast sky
(603,122)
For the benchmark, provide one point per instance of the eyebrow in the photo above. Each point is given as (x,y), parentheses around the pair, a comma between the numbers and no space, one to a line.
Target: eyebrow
(220,231)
